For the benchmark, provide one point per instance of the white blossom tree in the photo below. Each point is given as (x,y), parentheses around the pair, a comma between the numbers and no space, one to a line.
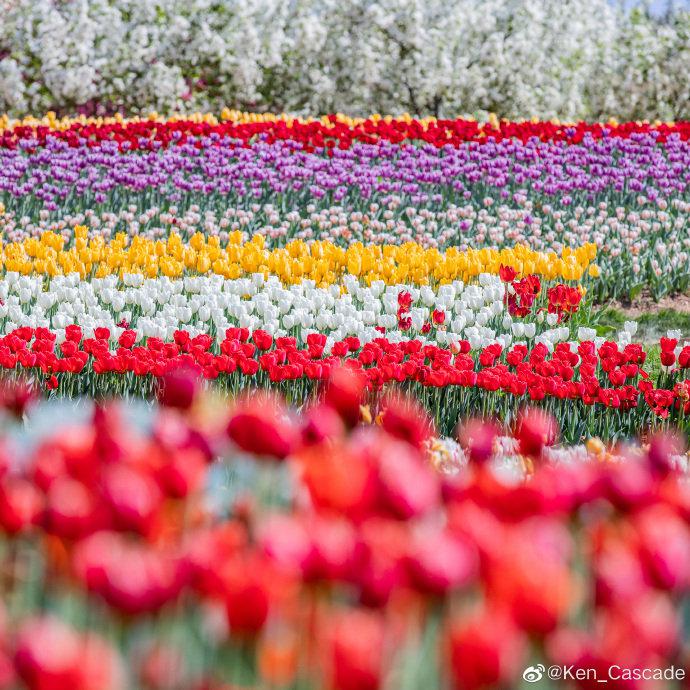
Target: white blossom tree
(517,58)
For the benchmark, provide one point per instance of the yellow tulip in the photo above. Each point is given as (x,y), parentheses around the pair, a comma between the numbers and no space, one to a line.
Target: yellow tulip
(322,262)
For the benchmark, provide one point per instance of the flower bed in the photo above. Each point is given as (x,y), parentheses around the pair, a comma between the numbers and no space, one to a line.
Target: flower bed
(457,260)
(622,188)
(593,391)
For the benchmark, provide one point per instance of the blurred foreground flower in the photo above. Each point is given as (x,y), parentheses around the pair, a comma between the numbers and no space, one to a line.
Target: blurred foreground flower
(118,572)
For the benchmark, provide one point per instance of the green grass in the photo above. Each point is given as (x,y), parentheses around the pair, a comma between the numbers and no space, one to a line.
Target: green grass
(651,325)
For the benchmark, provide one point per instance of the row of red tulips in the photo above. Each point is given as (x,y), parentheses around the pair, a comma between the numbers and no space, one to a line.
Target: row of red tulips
(337,133)
(610,376)
(345,562)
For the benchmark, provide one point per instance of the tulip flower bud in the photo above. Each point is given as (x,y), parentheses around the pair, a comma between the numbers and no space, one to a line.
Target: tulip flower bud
(486,650)
(355,656)
(178,388)
(478,438)
(259,425)
(662,448)
(534,430)
(344,393)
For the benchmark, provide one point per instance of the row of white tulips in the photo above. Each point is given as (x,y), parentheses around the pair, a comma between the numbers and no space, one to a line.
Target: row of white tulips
(210,304)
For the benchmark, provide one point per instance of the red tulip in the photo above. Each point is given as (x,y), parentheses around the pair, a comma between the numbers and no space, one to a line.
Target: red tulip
(20,505)
(48,465)
(407,421)
(247,595)
(132,497)
(537,590)
(342,480)
(618,573)
(379,568)
(8,676)
(285,540)
(332,552)
(259,425)
(17,396)
(438,561)
(534,430)
(404,300)
(408,485)
(127,338)
(72,511)
(48,655)
(181,471)
(662,448)
(344,393)
(73,333)
(630,484)
(52,656)
(178,388)
(208,550)
(667,357)
(128,575)
(653,625)
(438,316)
(486,650)
(321,423)
(355,651)
(664,547)
(262,340)
(478,438)
(76,446)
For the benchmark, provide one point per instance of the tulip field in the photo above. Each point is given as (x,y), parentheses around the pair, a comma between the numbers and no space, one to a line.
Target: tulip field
(459,262)
(331,403)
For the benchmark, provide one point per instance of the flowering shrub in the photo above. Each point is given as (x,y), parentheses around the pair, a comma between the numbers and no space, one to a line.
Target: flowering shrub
(579,59)
(339,554)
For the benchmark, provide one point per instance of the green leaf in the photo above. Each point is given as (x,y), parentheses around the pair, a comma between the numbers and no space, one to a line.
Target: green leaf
(635,290)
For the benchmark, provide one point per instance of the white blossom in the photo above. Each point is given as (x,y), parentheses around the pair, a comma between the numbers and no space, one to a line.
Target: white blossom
(518,58)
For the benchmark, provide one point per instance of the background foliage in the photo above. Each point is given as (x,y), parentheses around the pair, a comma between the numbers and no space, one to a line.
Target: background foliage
(518,58)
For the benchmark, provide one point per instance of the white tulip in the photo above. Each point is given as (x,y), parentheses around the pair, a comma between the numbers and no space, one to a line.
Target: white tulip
(584,333)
